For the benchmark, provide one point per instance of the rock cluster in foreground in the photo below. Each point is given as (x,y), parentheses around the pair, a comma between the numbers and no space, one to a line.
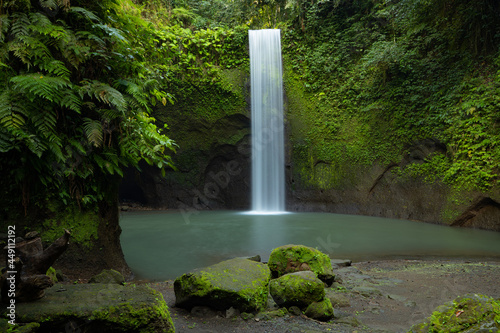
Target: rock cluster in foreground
(300,276)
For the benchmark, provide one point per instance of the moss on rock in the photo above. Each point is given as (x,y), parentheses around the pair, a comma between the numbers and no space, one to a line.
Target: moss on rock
(322,310)
(299,289)
(238,283)
(469,313)
(98,308)
(108,276)
(293,258)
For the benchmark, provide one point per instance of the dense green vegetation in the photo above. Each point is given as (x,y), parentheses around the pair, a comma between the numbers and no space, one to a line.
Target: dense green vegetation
(386,74)
(83,81)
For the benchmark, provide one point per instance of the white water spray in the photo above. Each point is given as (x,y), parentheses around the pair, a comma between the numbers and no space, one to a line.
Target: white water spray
(268,153)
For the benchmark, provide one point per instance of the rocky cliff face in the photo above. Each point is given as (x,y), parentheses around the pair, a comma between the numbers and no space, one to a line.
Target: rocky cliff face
(213,167)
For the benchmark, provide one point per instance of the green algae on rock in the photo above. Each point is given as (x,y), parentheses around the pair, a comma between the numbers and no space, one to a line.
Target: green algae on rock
(299,289)
(322,310)
(293,258)
(108,276)
(98,308)
(238,283)
(469,313)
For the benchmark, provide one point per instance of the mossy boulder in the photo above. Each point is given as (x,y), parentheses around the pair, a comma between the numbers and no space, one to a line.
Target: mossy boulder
(108,276)
(238,283)
(294,258)
(322,310)
(98,308)
(469,313)
(299,289)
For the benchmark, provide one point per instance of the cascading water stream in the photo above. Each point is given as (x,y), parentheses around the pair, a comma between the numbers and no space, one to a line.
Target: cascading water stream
(268,153)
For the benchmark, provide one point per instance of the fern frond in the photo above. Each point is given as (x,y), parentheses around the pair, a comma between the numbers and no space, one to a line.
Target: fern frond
(5,141)
(36,145)
(20,25)
(4,27)
(106,94)
(110,31)
(12,113)
(55,67)
(42,25)
(85,13)
(71,101)
(77,145)
(109,114)
(28,47)
(44,86)
(55,147)
(44,122)
(93,131)
(49,4)
(88,36)
(135,91)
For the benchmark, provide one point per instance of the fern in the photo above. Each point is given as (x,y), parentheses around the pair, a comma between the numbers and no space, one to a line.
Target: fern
(44,122)
(38,85)
(85,13)
(55,67)
(71,101)
(12,113)
(28,47)
(20,25)
(104,93)
(4,27)
(135,91)
(93,131)
(110,31)
(5,141)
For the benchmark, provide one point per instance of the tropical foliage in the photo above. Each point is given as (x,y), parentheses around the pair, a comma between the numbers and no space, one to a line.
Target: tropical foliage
(75,103)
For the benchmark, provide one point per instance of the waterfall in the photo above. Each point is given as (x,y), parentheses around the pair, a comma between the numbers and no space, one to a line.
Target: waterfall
(268,153)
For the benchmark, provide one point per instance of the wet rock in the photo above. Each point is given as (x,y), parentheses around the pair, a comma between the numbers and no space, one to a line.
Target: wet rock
(294,258)
(367,291)
(232,312)
(238,283)
(341,262)
(338,299)
(469,313)
(299,289)
(108,276)
(320,310)
(397,297)
(98,308)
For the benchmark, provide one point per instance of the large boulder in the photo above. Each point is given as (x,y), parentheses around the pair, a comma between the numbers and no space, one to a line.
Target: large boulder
(297,289)
(469,313)
(294,258)
(238,283)
(98,308)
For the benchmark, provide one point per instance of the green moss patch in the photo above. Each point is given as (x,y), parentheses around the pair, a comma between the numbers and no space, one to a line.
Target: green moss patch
(98,308)
(238,283)
(470,313)
(297,289)
(293,258)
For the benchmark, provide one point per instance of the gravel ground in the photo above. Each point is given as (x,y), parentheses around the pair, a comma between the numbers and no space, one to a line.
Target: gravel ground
(376,296)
